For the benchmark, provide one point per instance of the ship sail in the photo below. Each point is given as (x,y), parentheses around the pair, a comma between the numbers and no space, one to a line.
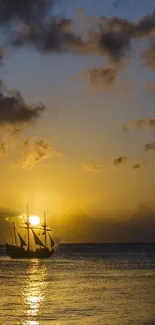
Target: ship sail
(22,241)
(37,240)
(52,241)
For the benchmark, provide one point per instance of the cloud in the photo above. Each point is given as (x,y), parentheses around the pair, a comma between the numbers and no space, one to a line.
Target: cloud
(34,23)
(97,166)
(14,110)
(140,124)
(140,165)
(115,44)
(103,227)
(37,25)
(149,146)
(7,216)
(106,79)
(36,151)
(15,132)
(3,149)
(144,27)
(136,166)
(3,53)
(93,166)
(103,76)
(119,160)
(150,88)
(95,226)
(30,11)
(112,36)
(54,36)
(148,56)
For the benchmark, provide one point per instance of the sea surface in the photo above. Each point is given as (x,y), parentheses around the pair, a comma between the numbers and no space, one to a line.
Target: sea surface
(80,284)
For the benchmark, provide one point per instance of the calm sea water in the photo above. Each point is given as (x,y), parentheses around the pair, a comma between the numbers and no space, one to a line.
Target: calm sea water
(84,284)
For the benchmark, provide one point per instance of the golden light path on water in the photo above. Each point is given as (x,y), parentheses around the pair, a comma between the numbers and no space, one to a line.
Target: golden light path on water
(33,293)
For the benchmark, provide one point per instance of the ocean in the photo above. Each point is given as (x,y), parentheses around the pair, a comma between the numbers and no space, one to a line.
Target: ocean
(81,284)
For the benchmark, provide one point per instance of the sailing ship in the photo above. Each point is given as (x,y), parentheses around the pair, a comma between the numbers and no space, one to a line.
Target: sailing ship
(24,250)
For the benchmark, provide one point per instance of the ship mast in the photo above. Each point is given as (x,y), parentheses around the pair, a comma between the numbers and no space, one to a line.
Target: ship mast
(27,223)
(14,231)
(28,229)
(45,230)
(44,227)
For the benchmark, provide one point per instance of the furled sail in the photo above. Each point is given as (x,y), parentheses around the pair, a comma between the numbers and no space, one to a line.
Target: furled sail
(22,241)
(37,240)
(52,241)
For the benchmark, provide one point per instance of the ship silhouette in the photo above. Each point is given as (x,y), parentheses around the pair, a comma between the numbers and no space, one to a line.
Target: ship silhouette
(23,250)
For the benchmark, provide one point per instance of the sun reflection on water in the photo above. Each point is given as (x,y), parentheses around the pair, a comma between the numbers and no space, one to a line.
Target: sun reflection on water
(34,304)
(33,293)
(31,322)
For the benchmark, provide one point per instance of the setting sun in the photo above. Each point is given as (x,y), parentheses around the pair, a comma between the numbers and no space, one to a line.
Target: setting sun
(34,220)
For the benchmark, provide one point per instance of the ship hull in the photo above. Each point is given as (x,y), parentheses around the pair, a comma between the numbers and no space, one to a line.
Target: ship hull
(21,253)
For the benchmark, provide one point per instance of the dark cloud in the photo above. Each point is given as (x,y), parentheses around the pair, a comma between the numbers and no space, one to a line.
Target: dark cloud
(112,36)
(103,227)
(136,166)
(145,27)
(33,23)
(140,165)
(107,79)
(116,44)
(142,28)
(24,11)
(119,160)
(140,124)
(7,216)
(3,149)
(14,110)
(36,24)
(50,37)
(149,146)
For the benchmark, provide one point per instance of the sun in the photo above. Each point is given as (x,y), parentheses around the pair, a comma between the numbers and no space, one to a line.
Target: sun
(34,220)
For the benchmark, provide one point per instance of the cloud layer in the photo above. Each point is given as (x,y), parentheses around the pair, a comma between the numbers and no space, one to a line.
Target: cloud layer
(32,23)
(102,227)
(14,110)
(37,25)
(98,166)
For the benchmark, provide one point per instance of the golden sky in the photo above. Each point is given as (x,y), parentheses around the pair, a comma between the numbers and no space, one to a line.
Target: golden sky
(91,151)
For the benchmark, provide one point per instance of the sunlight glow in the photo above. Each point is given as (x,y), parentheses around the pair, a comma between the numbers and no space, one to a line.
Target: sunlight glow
(34,220)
